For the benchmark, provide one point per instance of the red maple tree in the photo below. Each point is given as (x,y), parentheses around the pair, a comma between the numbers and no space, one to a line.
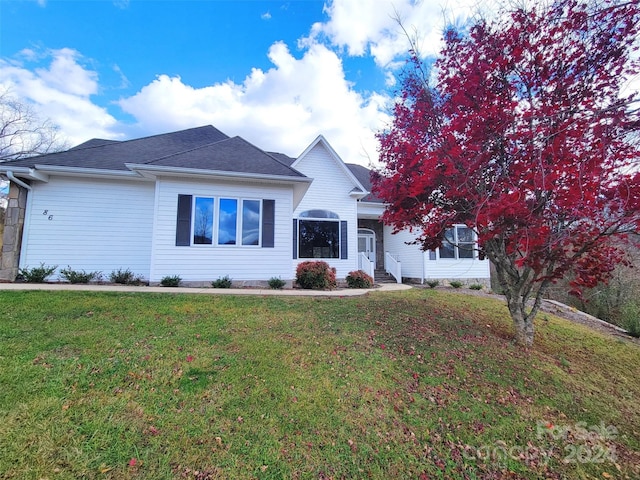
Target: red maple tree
(524,132)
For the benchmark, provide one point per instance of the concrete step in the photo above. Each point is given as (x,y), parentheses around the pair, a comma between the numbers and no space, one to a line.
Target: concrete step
(383,277)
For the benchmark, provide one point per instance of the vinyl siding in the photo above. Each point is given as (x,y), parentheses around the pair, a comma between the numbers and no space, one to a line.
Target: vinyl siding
(416,263)
(92,225)
(330,191)
(205,263)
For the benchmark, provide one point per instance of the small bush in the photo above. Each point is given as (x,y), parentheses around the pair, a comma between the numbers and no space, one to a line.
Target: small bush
(222,282)
(79,276)
(631,319)
(455,284)
(37,274)
(475,286)
(359,279)
(276,283)
(171,281)
(315,275)
(125,277)
(433,283)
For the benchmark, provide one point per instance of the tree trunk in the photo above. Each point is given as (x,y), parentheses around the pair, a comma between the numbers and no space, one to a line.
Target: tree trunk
(523,323)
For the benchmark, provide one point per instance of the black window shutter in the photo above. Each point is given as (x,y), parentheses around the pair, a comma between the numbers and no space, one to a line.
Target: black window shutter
(295,238)
(268,223)
(344,245)
(183,223)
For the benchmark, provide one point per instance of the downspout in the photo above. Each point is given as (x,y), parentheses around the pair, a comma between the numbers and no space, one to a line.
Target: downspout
(12,177)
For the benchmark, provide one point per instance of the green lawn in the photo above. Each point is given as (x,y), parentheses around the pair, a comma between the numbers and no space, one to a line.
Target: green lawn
(418,384)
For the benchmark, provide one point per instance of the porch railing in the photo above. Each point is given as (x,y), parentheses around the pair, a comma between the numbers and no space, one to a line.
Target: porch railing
(393,266)
(366,265)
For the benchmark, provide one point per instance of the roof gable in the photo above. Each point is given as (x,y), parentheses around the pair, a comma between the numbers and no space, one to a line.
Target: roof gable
(359,188)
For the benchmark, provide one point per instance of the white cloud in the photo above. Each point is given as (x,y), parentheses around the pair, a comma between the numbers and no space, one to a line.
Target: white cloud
(362,30)
(60,91)
(281,109)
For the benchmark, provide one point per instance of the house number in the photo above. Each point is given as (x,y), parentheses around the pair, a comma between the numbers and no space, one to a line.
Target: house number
(46,212)
(50,217)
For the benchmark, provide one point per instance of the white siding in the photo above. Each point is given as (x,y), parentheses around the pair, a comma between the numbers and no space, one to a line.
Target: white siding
(330,191)
(416,263)
(410,256)
(92,225)
(205,263)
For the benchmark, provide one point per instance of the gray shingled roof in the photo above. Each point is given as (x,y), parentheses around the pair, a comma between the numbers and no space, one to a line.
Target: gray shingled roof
(94,142)
(229,155)
(202,148)
(363,174)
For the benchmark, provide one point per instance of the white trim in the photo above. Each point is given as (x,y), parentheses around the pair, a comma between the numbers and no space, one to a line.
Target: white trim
(150,170)
(88,172)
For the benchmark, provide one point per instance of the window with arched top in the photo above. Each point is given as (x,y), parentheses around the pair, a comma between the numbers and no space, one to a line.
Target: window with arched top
(319,214)
(320,234)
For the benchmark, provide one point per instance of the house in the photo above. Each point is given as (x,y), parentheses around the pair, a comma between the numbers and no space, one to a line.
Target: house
(200,204)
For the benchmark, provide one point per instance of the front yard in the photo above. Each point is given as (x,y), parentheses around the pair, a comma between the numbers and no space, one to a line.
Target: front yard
(418,384)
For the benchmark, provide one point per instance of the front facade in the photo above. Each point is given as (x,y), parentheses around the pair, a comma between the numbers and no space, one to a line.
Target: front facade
(202,205)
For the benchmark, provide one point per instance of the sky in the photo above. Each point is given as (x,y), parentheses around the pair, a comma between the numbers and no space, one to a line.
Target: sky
(277,73)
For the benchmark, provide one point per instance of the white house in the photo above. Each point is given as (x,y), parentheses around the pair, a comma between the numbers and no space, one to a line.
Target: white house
(199,204)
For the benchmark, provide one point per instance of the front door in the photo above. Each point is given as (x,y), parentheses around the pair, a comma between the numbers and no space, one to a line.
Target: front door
(367,243)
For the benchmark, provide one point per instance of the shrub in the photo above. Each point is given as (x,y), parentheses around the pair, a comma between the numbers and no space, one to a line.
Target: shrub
(433,283)
(631,319)
(37,274)
(79,276)
(222,282)
(170,281)
(455,284)
(276,283)
(316,275)
(359,279)
(125,277)
(475,286)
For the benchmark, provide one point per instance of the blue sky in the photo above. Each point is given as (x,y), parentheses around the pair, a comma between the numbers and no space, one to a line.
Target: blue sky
(277,73)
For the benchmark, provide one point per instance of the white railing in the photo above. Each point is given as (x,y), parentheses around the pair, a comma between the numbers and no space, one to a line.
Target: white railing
(366,265)
(393,266)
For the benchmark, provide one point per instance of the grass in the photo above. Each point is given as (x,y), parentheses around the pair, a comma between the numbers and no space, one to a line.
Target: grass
(418,384)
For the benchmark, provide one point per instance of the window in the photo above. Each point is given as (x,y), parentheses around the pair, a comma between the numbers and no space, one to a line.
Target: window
(225,221)
(203,221)
(319,234)
(250,222)
(459,242)
(319,239)
(228,223)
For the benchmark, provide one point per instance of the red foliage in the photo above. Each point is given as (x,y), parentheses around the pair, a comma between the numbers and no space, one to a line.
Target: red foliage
(528,136)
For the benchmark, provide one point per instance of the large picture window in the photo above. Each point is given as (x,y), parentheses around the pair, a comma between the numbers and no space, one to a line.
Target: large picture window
(225,221)
(320,234)
(459,242)
(319,239)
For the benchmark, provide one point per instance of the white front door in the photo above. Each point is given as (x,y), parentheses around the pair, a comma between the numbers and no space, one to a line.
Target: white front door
(367,243)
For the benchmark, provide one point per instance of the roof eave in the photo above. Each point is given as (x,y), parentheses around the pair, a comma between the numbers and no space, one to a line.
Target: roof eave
(152,171)
(86,172)
(300,184)
(26,173)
